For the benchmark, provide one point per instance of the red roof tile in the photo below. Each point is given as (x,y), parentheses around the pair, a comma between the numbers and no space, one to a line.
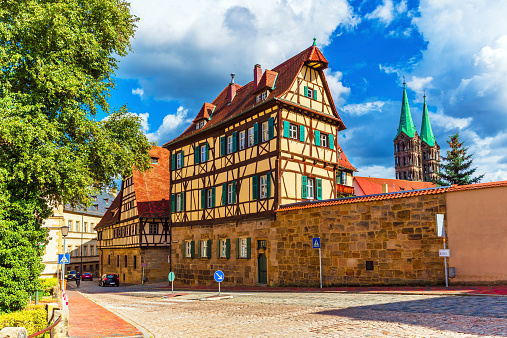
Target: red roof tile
(373,185)
(478,186)
(344,161)
(267,80)
(112,214)
(205,112)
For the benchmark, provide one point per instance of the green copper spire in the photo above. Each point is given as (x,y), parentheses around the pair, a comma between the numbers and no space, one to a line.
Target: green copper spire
(426,132)
(314,41)
(406,124)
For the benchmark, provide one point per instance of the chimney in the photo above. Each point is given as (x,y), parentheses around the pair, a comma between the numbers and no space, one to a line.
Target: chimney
(257,75)
(232,90)
(385,189)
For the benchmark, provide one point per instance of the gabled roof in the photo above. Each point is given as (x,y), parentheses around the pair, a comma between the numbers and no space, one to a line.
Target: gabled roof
(151,190)
(426,132)
(344,161)
(373,185)
(268,80)
(244,100)
(406,124)
(206,112)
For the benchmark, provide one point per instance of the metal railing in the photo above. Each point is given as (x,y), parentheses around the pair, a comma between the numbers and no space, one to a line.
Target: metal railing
(49,328)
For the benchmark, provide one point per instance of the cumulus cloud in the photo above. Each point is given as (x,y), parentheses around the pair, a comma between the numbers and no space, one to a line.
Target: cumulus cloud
(186,51)
(359,109)
(138,91)
(338,90)
(170,124)
(376,171)
(387,11)
(418,84)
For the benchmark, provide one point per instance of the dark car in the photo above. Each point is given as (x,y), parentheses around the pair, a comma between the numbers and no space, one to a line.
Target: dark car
(71,275)
(87,276)
(109,279)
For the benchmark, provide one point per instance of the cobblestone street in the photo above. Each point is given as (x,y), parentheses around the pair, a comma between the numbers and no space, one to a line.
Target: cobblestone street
(297,314)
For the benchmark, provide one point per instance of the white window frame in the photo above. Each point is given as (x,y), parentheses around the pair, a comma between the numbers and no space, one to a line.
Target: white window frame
(78,225)
(265,131)
(209,198)
(242,140)
(178,202)
(264,96)
(70,225)
(229,193)
(323,140)
(223,248)
(310,93)
(264,186)
(91,227)
(344,178)
(293,131)
(251,137)
(310,186)
(85,250)
(203,153)
(85,226)
(229,144)
(178,160)
(204,249)
(188,247)
(243,248)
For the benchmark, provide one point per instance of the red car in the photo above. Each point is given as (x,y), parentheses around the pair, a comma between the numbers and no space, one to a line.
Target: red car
(87,275)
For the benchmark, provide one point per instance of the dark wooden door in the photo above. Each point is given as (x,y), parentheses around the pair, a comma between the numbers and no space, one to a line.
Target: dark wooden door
(263,269)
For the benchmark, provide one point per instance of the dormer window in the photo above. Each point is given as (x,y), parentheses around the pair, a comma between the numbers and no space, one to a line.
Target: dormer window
(261,97)
(200,124)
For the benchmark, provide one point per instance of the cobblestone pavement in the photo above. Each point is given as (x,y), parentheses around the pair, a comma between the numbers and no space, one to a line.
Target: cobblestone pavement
(297,314)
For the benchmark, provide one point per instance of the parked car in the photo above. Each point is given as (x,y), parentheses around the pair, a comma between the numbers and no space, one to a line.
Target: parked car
(109,279)
(71,275)
(87,275)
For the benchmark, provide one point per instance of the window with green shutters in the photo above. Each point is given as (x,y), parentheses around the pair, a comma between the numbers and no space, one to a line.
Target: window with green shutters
(173,202)
(268,185)
(207,151)
(234,141)
(302,133)
(213,191)
(222,146)
(286,129)
(256,133)
(208,249)
(224,248)
(203,198)
(243,248)
(197,153)
(173,161)
(271,128)
(255,189)
(317,137)
(319,188)
(312,94)
(224,193)
(304,187)
(331,141)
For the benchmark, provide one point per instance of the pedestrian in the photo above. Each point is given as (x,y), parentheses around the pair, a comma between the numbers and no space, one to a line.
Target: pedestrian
(78,279)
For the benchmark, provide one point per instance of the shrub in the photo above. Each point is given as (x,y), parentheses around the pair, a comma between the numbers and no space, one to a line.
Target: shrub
(33,318)
(46,284)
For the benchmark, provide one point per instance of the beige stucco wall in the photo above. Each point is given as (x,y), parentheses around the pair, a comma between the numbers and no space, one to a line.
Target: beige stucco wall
(477,234)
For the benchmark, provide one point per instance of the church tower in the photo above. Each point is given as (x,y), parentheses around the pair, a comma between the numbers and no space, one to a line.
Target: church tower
(429,148)
(407,146)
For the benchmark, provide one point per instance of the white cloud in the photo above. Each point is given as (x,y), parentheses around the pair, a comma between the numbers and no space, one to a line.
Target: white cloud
(383,13)
(359,109)
(338,90)
(170,123)
(448,122)
(418,84)
(138,91)
(376,171)
(389,70)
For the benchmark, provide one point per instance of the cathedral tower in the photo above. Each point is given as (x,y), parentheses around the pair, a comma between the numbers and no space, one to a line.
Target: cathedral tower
(407,146)
(429,148)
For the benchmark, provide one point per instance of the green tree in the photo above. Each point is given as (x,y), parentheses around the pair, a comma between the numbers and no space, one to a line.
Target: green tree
(456,166)
(58,59)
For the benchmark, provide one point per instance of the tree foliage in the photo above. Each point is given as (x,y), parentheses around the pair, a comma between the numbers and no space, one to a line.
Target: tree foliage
(457,165)
(58,59)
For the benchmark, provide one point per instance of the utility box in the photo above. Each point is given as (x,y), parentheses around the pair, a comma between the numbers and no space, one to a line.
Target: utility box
(451,272)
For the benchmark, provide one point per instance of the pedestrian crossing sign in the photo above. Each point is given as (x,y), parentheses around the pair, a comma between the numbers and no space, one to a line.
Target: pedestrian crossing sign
(316,243)
(63,258)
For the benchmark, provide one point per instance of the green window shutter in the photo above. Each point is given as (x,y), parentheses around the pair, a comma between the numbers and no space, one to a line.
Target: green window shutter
(183,251)
(235,141)
(317,138)
(227,248)
(203,198)
(271,128)
(256,133)
(315,94)
(302,133)
(268,185)
(234,192)
(286,127)
(197,148)
(207,151)
(331,141)
(255,189)
(182,201)
(192,249)
(224,193)
(304,190)
(208,249)
(218,248)
(173,161)
(173,202)
(213,197)
(222,145)
(237,248)
(319,188)
(248,247)
(198,249)
(182,159)
(306,91)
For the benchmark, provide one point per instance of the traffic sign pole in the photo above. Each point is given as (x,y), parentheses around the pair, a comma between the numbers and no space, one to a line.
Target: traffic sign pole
(219,277)
(219,288)
(171,279)
(320,268)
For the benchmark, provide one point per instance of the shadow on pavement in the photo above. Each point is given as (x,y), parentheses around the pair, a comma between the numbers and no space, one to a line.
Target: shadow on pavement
(488,314)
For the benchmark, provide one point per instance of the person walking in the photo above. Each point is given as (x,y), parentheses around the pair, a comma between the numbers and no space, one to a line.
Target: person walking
(78,279)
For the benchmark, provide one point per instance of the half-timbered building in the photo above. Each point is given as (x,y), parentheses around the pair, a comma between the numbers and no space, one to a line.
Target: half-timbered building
(134,235)
(271,142)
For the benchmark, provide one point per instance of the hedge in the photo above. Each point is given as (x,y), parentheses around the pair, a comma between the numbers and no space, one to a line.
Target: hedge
(33,318)
(46,284)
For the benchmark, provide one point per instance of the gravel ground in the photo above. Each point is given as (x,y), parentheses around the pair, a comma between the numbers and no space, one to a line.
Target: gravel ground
(273,314)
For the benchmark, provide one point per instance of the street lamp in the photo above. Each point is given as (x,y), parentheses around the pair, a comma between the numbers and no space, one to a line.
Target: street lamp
(65,232)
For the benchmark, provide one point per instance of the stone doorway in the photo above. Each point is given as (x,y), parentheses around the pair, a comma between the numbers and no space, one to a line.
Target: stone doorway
(262,269)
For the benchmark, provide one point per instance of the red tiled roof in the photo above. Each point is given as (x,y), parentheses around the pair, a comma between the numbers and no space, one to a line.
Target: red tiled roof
(478,186)
(373,185)
(205,112)
(267,80)
(112,214)
(344,161)
(287,73)
(307,205)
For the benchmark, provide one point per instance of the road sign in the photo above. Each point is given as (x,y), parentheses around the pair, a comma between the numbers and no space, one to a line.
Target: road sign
(171,276)
(316,243)
(440,225)
(63,258)
(444,253)
(219,276)
(144,264)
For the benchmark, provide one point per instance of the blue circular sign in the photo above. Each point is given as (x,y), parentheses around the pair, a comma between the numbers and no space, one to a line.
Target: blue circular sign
(171,276)
(219,276)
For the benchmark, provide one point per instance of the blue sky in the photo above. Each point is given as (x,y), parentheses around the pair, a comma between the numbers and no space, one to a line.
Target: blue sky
(455,50)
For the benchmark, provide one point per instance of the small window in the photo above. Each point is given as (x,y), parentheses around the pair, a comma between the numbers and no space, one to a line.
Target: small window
(204,249)
(243,248)
(323,140)
(264,95)
(310,93)
(153,229)
(178,203)
(178,160)
(229,193)
(369,265)
(262,244)
(203,153)
(188,249)
(229,144)
(154,160)
(293,131)
(251,137)
(70,225)
(311,187)
(265,133)
(242,140)
(209,197)
(223,248)
(78,224)
(264,186)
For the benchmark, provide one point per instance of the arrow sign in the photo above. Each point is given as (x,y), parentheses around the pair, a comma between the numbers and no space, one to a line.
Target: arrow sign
(316,243)
(219,276)
(63,258)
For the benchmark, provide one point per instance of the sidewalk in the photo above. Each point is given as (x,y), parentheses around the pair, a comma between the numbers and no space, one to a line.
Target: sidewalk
(88,319)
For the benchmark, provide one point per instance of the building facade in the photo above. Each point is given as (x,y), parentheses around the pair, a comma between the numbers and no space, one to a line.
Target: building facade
(416,157)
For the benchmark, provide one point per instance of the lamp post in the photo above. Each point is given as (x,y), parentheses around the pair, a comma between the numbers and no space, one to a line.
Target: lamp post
(65,232)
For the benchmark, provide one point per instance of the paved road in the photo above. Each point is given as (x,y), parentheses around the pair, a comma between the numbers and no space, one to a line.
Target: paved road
(277,314)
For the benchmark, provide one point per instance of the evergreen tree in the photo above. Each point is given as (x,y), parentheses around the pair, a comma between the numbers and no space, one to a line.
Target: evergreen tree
(456,166)
(58,59)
